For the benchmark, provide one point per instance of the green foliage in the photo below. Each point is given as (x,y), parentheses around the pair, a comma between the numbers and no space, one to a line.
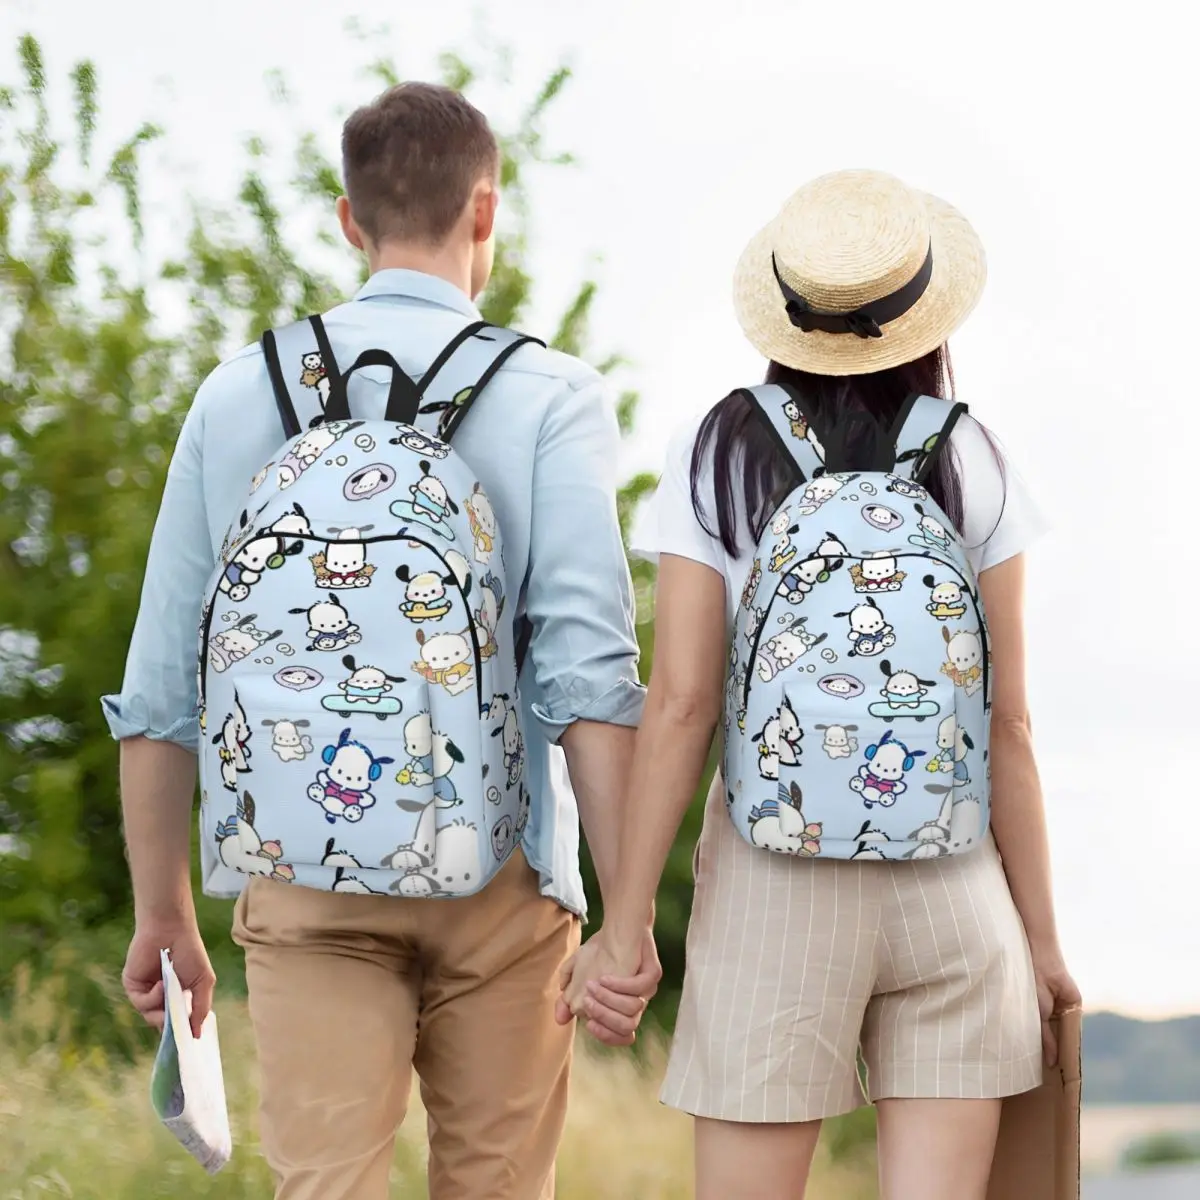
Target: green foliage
(1162,1149)
(93,385)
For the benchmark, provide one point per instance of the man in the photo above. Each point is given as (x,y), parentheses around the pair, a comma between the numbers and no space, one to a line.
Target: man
(349,992)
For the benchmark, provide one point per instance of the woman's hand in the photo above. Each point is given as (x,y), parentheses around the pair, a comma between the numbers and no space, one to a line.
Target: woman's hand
(1056,992)
(609,987)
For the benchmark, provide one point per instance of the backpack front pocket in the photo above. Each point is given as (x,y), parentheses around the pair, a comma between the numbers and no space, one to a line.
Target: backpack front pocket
(349,780)
(858,776)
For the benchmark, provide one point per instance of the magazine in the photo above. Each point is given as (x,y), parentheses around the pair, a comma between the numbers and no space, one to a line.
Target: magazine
(187,1088)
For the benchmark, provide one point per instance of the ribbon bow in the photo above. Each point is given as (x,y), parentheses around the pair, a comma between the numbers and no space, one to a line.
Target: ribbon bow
(805,318)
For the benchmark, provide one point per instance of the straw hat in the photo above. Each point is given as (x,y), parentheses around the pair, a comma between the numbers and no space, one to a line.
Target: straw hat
(858,272)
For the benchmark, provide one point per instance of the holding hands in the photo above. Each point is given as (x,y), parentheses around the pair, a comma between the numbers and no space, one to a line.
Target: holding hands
(608,986)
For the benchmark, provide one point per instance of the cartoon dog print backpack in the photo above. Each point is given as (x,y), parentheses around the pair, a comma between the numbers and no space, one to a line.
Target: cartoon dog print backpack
(857,703)
(358,659)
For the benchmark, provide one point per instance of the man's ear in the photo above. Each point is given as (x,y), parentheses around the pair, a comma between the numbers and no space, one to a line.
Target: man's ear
(486,198)
(350,229)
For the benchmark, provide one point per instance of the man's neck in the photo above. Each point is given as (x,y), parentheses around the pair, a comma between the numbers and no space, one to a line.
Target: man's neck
(450,263)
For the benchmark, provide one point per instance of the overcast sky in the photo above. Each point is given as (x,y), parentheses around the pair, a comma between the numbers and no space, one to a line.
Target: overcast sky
(1063,134)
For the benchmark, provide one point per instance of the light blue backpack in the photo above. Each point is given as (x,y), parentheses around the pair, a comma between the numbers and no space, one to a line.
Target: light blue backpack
(858,699)
(358,659)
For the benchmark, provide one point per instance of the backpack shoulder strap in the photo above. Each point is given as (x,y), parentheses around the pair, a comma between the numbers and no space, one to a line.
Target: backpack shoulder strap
(304,374)
(922,428)
(789,420)
(460,373)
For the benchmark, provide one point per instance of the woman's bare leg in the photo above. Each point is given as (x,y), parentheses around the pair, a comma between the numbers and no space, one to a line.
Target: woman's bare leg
(737,1160)
(936,1149)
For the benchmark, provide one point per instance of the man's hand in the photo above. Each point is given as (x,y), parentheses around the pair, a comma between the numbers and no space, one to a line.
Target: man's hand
(142,977)
(610,989)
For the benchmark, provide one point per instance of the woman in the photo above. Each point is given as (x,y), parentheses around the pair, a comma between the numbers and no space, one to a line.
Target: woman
(934,965)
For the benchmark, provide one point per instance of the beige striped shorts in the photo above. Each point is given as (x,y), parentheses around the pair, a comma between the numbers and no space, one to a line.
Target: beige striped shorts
(796,966)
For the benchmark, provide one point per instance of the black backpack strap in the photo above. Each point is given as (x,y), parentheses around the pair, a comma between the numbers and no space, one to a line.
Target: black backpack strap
(788,418)
(922,428)
(458,376)
(304,374)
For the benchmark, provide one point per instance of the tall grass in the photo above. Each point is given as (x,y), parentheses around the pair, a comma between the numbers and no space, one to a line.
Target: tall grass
(77,1123)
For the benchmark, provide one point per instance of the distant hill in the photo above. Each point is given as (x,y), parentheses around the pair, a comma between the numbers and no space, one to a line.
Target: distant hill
(1126,1061)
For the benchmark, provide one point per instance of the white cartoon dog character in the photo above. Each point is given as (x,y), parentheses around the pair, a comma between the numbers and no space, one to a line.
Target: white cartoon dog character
(838,742)
(329,625)
(438,861)
(509,731)
(877,573)
(964,660)
(869,633)
(779,742)
(289,744)
(233,738)
(482,519)
(881,779)
(446,659)
(240,848)
(343,563)
(431,758)
(780,825)
(241,639)
(367,685)
(903,689)
(785,648)
(343,788)
(425,594)
(946,600)
(954,744)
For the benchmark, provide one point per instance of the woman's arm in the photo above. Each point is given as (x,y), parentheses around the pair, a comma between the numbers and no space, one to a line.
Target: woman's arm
(1018,814)
(683,706)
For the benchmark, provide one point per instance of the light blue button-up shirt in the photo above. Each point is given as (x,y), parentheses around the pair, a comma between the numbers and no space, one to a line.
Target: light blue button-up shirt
(544,442)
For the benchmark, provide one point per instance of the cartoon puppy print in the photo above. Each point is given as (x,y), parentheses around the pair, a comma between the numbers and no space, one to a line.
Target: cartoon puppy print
(785,648)
(341,861)
(369,481)
(818,567)
(902,689)
(838,742)
(784,549)
(880,517)
(343,563)
(877,573)
(420,443)
(266,550)
(796,421)
(881,779)
(308,448)
(964,659)
(289,744)
(945,599)
(750,590)
(905,487)
(931,533)
(343,787)
(514,748)
(313,375)
(482,519)
(430,503)
(779,742)
(329,625)
(233,740)
(869,633)
(425,595)
(780,825)
(446,659)
(240,848)
(822,489)
(241,639)
(432,756)
(954,744)
(366,685)
(487,616)
(455,864)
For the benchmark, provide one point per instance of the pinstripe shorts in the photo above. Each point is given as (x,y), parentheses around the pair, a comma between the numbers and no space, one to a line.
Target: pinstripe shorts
(796,967)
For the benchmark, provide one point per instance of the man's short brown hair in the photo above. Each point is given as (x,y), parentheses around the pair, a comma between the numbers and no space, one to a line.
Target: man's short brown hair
(410,159)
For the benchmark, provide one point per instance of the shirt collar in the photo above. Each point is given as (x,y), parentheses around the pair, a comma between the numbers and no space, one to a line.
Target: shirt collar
(416,285)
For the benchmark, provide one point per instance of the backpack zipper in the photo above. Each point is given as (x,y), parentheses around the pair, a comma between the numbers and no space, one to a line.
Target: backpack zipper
(949,566)
(389,537)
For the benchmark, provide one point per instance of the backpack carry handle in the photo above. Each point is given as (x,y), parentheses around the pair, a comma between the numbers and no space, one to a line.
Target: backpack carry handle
(404,397)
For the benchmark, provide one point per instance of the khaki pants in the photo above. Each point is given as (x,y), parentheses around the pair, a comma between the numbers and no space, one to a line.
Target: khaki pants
(348,993)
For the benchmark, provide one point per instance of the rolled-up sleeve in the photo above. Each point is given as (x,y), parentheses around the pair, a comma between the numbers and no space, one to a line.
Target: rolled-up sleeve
(159,695)
(579,596)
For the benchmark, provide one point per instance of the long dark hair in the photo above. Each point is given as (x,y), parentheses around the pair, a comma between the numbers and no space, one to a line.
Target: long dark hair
(862,406)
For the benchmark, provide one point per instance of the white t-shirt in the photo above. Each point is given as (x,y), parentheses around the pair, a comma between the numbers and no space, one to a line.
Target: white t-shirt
(1000,518)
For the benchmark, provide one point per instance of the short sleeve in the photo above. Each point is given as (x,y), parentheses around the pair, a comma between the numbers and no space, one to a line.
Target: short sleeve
(668,524)
(1000,516)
